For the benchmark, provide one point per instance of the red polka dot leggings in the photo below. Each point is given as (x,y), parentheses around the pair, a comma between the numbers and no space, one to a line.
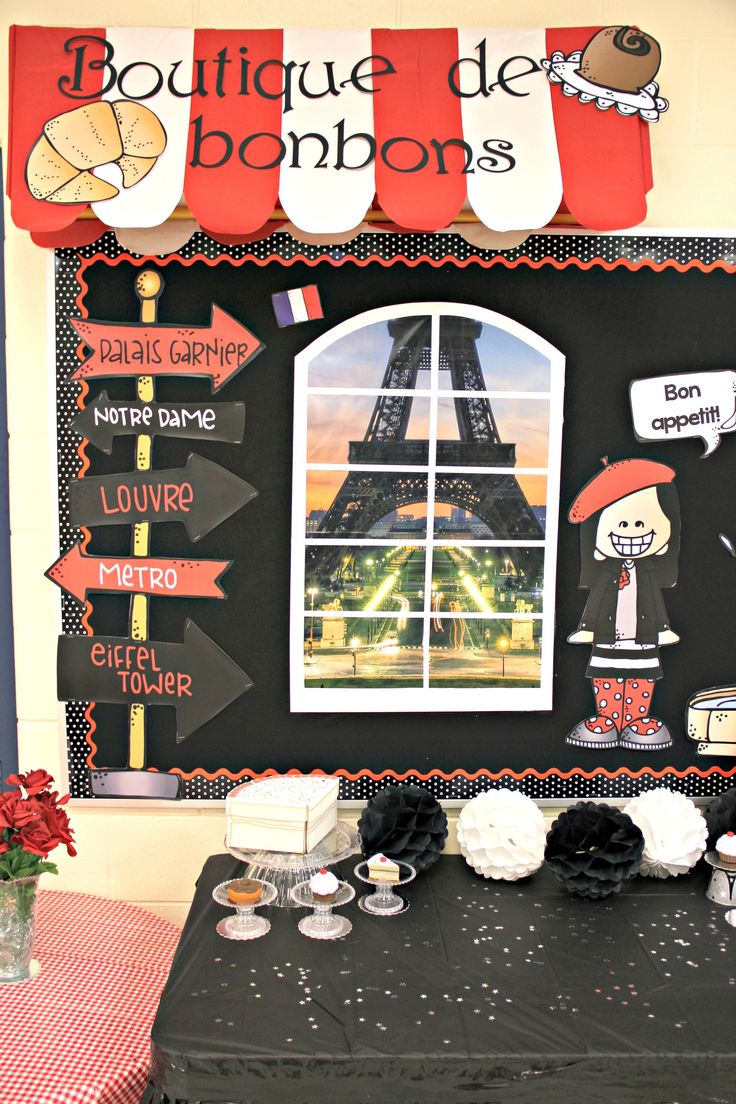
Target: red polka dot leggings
(623,703)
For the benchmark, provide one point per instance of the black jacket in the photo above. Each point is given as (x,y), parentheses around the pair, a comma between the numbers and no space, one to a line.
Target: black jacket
(599,615)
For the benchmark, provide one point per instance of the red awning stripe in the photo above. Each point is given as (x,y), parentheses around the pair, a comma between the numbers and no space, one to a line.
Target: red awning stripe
(604,178)
(224,194)
(247,141)
(422,111)
(37,57)
(78,233)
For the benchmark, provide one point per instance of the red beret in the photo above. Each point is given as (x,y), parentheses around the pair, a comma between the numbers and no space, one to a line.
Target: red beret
(616,481)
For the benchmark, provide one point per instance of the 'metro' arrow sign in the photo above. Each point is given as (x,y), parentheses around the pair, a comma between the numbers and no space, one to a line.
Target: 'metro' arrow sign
(104,419)
(196,677)
(201,495)
(219,350)
(163,578)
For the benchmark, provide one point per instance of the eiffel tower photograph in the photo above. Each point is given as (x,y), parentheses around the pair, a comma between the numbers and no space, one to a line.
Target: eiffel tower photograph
(432,437)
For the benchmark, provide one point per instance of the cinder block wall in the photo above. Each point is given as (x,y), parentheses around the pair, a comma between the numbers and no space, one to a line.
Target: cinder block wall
(152,856)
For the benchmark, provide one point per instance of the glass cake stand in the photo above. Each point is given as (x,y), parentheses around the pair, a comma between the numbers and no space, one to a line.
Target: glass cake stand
(383,901)
(722,886)
(245,924)
(285,870)
(323,924)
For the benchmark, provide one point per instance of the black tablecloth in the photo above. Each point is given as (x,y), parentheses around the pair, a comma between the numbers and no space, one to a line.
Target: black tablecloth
(481,992)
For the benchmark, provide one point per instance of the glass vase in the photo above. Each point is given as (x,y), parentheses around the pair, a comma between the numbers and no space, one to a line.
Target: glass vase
(17,927)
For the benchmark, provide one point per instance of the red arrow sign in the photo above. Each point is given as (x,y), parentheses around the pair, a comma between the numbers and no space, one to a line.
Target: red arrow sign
(219,350)
(77,573)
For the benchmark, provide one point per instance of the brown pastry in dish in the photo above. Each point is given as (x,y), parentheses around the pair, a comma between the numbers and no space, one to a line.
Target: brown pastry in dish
(245,891)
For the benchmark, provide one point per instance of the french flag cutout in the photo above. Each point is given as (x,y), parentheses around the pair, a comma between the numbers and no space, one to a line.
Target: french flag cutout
(297,305)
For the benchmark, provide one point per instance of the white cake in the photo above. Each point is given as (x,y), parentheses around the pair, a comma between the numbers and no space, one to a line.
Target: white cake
(281,814)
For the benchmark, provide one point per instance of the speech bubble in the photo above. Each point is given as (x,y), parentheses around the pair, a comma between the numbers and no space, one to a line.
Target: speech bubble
(688,404)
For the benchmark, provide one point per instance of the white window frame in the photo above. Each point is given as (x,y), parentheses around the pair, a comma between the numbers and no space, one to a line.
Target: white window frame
(425,698)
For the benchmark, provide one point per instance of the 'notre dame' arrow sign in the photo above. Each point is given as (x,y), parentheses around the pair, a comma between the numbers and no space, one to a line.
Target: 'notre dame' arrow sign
(219,350)
(196,677)
(104,419)
(201,495)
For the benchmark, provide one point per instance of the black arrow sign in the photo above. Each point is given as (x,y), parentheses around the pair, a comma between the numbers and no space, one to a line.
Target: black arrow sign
(196,677)
(105,418)
(201,495)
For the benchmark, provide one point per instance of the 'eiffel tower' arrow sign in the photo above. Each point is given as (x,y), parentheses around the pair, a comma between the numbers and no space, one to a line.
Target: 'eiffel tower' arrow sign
(196,677)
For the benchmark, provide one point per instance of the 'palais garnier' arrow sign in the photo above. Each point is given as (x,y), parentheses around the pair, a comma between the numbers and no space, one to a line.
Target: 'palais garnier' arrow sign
(219,350)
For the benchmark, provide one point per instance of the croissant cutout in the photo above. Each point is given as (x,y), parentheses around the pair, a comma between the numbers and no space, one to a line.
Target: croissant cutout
(125,133)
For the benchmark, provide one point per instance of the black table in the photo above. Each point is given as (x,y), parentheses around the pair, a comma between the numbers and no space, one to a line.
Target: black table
(481,992)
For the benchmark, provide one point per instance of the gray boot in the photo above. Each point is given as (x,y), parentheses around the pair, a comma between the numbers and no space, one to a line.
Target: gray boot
(648,741)
(582,736)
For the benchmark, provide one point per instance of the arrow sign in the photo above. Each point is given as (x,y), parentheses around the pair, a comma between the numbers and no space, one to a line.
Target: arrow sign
(219,350)
(77,573)
(201,495)
(196,677)
(104,419)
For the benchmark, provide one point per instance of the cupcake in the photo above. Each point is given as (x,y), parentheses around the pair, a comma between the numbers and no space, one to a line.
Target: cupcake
(245,891)
(726,848)
(324,886)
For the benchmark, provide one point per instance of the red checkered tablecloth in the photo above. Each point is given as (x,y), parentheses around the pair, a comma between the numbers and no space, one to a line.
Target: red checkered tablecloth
(79,1033)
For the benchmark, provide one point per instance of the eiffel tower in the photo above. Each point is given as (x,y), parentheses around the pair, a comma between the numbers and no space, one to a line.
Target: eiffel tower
(367,496)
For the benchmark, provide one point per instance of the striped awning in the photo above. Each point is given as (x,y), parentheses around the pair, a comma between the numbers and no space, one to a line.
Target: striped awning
(320,126)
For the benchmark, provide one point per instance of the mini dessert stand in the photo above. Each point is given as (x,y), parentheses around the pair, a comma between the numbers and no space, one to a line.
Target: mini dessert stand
(722,886)
(323,924)
(383,901)
(285,870)
(245,924)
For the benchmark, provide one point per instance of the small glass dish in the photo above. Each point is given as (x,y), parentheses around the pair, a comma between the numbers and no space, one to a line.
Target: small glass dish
(244,924)
(384,901)
(323,924)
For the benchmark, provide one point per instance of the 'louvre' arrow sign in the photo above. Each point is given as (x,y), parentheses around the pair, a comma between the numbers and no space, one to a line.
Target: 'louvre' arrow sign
(201,495)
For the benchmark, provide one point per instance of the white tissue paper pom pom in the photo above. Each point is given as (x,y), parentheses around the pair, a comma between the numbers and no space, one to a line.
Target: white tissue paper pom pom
(674,832)
(501,835)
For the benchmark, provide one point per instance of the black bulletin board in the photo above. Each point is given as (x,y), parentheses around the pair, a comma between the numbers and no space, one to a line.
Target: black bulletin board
(619,309)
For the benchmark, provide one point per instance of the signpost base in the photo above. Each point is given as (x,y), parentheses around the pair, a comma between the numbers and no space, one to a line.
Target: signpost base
(121,782)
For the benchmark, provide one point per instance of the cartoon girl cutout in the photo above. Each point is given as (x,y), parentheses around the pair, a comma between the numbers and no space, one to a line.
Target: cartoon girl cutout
(629,519)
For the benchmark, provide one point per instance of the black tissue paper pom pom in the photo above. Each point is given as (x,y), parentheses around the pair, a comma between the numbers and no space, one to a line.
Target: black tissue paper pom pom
(593,849)
(720,816)
(405,823)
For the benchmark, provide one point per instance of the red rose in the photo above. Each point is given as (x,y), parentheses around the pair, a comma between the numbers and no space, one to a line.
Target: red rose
(33,782)
(62,828)
(15,811)
(37,839)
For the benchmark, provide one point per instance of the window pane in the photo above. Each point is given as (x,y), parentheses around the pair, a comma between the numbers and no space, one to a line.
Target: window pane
(491,653)
(344,651)
(366,504)
(367,429)
(365,578)
(488,579)
(502,507)
(381,354)
(476,356)
(491,432)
